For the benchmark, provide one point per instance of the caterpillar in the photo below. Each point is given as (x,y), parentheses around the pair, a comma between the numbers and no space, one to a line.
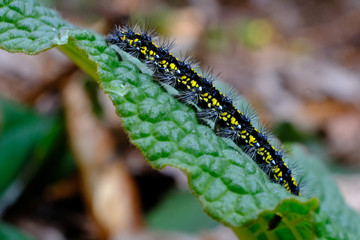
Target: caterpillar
(195,89)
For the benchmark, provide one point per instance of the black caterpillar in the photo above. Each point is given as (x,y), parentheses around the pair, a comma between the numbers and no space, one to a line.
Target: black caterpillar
(215,106)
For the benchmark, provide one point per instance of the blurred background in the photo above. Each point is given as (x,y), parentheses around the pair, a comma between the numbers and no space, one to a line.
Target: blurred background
(67,168)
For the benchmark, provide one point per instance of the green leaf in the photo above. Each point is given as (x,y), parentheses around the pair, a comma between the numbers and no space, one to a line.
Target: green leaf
(21,133)
(333,207)
(179,212)
(230,186)
(8,232)
(25,140)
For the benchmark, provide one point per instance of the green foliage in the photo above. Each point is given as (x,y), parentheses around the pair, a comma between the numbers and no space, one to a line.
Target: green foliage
(25,140)
(230,186)
(11,233)
(179,212)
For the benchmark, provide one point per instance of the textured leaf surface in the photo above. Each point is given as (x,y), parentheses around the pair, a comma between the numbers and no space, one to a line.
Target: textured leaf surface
(229,185)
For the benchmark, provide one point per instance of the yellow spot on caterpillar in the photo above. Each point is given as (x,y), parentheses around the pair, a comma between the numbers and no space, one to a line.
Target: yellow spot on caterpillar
(252,140)
(214,101)
(233,121)
(173,66)
(143,50)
